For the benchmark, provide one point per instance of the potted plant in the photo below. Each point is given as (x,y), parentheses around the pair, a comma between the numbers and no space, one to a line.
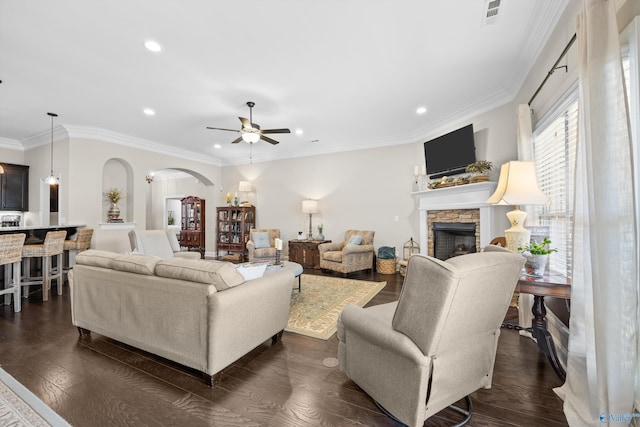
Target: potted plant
(536,255)
(480,170)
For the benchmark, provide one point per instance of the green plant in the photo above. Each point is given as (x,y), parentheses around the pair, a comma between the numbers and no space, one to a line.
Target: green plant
(535,248)
(481,166)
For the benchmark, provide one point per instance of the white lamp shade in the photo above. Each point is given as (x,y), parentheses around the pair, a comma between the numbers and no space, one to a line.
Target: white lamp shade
(244,186)
(518,185)
(309,206)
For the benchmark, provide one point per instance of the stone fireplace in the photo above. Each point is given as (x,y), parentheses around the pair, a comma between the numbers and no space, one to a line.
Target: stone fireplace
(464,206)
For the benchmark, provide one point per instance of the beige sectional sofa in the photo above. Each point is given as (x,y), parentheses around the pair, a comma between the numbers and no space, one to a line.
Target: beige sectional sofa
(199,313)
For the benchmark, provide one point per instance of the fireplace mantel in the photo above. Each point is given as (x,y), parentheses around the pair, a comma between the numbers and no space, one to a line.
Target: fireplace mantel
(469,196)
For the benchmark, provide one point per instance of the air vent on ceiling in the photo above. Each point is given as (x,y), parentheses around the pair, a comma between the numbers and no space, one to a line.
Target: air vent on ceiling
(490,12)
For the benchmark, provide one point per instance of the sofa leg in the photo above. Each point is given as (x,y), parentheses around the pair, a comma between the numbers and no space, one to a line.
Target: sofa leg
(84,332)
(212,380)
(277,337)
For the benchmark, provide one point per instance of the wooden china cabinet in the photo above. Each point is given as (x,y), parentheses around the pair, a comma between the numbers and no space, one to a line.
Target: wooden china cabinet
(233,224)
(193,224)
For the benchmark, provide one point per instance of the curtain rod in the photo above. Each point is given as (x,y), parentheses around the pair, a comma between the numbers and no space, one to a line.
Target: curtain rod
(555,67)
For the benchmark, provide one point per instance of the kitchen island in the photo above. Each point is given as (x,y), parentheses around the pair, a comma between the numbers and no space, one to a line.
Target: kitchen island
(36,233)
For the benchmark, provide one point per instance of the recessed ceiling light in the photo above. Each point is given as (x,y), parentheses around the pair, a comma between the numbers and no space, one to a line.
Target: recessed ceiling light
(421,110)
(149,112)
(299,132)
(153,46)
(218,146)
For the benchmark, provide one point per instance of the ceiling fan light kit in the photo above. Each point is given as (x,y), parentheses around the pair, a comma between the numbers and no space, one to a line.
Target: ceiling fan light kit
(250,132)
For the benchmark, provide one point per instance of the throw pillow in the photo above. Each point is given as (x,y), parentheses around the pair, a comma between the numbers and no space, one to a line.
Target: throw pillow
(252,271)
(261,240)
(355,240)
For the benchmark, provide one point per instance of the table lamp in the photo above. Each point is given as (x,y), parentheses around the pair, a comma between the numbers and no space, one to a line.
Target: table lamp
(244,187)
(310,207)
(517,186)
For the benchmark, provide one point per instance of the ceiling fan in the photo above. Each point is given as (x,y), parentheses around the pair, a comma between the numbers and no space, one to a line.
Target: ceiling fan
(251,132)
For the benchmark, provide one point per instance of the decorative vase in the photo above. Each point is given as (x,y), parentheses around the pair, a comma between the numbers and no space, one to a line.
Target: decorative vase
(535,265)
(320,236)
(114,211)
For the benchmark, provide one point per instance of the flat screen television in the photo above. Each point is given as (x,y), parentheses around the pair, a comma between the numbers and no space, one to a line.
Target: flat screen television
(451,153)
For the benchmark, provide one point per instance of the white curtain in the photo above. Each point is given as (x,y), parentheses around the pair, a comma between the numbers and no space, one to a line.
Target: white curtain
(603,361)
(525,143)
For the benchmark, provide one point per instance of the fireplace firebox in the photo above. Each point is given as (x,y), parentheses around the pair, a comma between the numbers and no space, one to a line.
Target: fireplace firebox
(453,239)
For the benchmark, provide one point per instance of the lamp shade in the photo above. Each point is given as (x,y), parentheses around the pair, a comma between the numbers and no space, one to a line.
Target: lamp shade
(309,206)
(244,186)
(518,185)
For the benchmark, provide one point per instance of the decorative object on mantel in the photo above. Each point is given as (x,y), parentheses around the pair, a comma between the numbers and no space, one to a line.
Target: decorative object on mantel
(517,186)
(420,178)
(114,195)
(445,182)
(536,255)
(479,170)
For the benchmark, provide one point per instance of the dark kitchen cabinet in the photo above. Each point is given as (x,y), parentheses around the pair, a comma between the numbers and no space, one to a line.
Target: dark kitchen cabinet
(14,188)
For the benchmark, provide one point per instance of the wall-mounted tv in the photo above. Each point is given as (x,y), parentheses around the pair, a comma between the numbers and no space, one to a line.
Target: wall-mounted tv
(451,153)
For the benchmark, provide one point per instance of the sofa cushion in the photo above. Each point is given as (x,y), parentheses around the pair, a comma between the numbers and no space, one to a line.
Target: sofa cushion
(222,275)
(96,258)
(252,271)
(335,256)
(136,263)
(260,239)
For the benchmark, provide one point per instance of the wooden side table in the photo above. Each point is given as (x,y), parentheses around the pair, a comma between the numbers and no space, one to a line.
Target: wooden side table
(305,252)
(547,286)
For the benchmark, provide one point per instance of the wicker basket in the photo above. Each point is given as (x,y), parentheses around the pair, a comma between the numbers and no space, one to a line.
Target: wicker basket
(386,266)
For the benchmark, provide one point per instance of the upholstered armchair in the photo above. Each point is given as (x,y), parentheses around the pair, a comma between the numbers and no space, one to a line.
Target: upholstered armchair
(355,253)
(437,344)
(161,243)
(261,245)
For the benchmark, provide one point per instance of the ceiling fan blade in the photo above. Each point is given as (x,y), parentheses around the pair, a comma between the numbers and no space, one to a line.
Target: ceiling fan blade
(230,130)
(235,141)
(276,131)
(245,122)
(269,140)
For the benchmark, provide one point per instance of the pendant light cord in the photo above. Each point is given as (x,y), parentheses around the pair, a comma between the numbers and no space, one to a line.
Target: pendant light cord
(51,177)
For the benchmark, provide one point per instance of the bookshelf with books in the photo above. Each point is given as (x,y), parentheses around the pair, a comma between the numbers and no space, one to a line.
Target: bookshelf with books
(232,231)
(192,230)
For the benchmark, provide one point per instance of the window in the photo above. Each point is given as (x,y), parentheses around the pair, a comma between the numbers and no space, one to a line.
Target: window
(554,150)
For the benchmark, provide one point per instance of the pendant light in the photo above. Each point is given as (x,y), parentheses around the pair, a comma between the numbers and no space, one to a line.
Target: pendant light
(52,180)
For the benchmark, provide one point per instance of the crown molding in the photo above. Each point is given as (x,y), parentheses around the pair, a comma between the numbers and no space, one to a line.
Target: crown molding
(538,32)
(11,144)
(85,132)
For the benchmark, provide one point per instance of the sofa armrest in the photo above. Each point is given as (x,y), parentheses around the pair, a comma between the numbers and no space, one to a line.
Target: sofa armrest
(357,249)
(187,255)
(242,317)
(327,247)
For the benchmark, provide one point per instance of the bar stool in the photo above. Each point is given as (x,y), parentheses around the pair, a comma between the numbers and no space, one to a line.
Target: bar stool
(11,256)
(71,248)
(53,246)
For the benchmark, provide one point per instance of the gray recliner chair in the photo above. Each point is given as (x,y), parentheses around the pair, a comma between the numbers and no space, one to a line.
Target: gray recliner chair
(438,343)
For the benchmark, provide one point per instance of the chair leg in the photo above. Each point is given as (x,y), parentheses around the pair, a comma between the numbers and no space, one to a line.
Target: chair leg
(7,282)
(59,274)
(17,302)
(46,277)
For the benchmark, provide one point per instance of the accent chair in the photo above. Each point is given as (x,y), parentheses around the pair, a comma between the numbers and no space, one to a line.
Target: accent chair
(355,253)
(436,344)
(261,245)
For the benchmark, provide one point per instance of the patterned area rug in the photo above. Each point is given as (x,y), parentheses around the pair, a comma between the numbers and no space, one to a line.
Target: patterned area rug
(315,310)
(20,407)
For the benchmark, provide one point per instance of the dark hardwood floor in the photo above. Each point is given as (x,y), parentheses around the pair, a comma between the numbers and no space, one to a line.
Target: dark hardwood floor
(100,382)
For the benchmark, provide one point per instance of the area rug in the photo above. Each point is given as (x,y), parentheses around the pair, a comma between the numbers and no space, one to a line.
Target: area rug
(20,407)
(315,309)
